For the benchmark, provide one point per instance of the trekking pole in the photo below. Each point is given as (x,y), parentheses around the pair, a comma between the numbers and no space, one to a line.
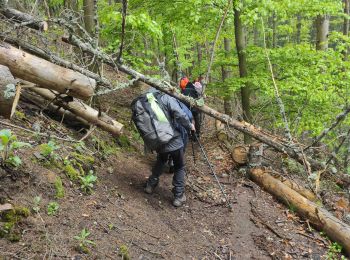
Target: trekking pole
(194,156)
(213,172)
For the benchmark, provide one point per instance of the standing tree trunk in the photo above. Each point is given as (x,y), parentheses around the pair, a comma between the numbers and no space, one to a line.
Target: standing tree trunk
(346,26)
(256,34)
(90,27)
(274,30)
(298,34)
(88,7)
(9,93)
(199,54)
(226,74)
(322,30)
(243,72)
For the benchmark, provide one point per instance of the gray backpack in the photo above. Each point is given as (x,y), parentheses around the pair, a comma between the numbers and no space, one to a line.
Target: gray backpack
(151,121)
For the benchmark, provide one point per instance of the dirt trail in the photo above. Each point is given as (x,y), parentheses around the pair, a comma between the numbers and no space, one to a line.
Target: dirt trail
(119,213)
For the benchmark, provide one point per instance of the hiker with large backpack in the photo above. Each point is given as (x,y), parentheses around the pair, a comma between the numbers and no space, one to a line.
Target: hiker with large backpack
(156,115)
(191,91)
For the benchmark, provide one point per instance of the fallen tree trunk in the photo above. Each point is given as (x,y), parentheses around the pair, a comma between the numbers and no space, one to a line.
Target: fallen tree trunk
(319,217)
(40,102)
(31,68)
(9,93)
(56,60)
(26,19)
(82,110)
(276,142)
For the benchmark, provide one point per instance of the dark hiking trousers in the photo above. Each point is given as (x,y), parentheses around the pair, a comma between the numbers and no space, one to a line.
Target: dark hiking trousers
(179,171)
(197,116)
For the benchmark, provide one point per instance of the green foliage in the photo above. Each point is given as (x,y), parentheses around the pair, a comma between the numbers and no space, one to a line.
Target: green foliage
(48,150)
(334,251)
(59,188)
(87,182)
(70,171)
(8,146)
(52,208)
(83,241)
(124,252)
(9,223)
(36,204)
(105,149)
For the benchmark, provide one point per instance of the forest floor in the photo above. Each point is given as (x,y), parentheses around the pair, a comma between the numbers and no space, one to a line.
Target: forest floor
(123,220)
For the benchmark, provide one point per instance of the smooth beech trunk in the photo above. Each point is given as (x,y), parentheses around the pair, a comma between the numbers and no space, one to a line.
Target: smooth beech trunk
(322,30)
(31,68)
(243,71)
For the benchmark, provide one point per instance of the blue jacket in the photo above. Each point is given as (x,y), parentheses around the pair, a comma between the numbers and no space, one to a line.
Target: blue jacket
(183,131)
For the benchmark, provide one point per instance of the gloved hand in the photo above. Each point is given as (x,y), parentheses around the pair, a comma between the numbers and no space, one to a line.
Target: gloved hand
(193,129)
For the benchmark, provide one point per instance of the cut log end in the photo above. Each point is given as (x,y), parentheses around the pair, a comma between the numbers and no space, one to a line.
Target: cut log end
(240,154)
(9,93)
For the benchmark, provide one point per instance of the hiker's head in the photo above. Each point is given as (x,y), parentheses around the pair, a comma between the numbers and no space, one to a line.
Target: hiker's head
(183,82)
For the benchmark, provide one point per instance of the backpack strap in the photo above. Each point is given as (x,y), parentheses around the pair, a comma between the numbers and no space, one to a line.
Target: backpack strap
(156,106)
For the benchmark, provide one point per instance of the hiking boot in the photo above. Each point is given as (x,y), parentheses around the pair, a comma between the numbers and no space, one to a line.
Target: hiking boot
(149,188)
(171,169)
(178,201)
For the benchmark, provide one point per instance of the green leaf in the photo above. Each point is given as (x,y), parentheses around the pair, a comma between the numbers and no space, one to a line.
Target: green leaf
(17,145)
(5,135)
(14,161)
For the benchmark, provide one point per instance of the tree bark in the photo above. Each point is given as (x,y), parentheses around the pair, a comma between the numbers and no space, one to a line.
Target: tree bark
(226,74)
(88,7)
(9,93)
(20,17)
(90,27)
(31,68)
(274,30)
(346,26)
(82,110)
(298,34)
(319,217)
(243,72)
(322,30)
(56,60)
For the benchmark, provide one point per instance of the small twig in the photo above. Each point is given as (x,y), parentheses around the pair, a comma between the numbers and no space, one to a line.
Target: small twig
(278,97)
(88,133)
(217,255)
(340,117)
(147,250)
(37,133)
(314,238)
